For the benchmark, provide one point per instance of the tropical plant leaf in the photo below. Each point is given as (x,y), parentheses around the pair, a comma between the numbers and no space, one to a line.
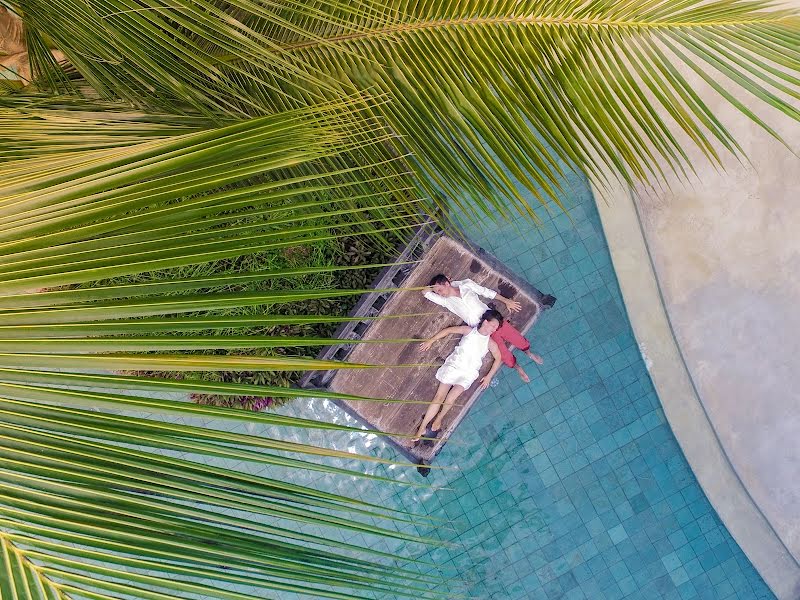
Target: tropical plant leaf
(21,578)
(486,97)
(45,68)
(61,482)
(136,383)
(171,286)
(98,217)
(35,125)
(97,501)
(58,486)
(186,198)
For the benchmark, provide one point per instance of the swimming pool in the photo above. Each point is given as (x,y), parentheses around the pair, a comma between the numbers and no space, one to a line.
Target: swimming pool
(572,486)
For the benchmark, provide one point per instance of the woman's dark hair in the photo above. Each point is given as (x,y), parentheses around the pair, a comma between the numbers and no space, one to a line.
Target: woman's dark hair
(439,280)
(490,315)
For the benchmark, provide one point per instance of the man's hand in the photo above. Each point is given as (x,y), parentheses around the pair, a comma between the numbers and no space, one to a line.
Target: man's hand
(513,306)
(485,382)
(426,345)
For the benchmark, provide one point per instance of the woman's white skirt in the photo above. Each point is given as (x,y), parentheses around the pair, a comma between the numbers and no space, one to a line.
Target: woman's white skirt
(463,365)
(452,375)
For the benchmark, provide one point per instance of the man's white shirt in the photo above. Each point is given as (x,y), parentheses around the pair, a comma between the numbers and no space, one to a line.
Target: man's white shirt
(469,306)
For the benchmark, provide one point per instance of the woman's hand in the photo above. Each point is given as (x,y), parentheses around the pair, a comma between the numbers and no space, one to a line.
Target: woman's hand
(426,345)
(486,381)
(513,306)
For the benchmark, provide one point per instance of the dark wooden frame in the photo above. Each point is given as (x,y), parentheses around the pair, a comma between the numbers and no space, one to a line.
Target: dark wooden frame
(371,304)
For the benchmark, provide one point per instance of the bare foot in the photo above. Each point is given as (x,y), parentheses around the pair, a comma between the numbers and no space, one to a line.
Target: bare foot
(534,357)
(436,427)
(420,433)
(522,374)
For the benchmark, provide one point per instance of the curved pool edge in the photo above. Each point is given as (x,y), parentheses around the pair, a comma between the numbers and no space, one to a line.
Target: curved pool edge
(681,404)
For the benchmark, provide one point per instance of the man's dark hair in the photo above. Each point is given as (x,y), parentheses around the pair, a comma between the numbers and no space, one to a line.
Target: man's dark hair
(489,315)
(439,280)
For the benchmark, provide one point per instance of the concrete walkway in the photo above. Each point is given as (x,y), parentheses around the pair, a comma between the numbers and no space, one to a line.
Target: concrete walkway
(710,275)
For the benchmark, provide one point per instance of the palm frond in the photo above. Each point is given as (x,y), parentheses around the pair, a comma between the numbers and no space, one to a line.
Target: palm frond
(485,97)
(46,71)
(171,286)
(38,125)
(183,198)
(97,501)
(92,486)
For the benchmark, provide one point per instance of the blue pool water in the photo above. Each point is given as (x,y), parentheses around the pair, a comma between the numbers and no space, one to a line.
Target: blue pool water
(579,489)
(572,487)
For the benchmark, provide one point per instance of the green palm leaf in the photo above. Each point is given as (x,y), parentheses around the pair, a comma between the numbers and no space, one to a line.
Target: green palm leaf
(476,100)
(36,125)
(59,480)
(97,501)
(485,96)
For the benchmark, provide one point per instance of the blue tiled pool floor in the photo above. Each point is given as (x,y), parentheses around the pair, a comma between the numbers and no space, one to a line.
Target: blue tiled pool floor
(581,490)
(572,487)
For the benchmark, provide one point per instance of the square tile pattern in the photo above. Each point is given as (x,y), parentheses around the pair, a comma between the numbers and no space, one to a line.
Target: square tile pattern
(572,487)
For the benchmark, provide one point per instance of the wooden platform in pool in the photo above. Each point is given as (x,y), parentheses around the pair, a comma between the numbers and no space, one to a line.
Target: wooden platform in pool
(437,254)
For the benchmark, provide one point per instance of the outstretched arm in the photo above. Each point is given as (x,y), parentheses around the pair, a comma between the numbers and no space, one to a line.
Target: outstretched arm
(512,305)
(461,329)
(433,297)
(486,380)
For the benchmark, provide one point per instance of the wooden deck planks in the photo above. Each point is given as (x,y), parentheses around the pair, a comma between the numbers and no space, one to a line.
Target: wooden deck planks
(418,383)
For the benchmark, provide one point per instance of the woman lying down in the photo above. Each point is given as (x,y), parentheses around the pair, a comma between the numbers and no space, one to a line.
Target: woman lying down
(462,367)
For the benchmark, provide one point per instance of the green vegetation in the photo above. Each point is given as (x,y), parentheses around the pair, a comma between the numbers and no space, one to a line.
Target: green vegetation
(463,85)
(183,136)
(93,502)
(344,252)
